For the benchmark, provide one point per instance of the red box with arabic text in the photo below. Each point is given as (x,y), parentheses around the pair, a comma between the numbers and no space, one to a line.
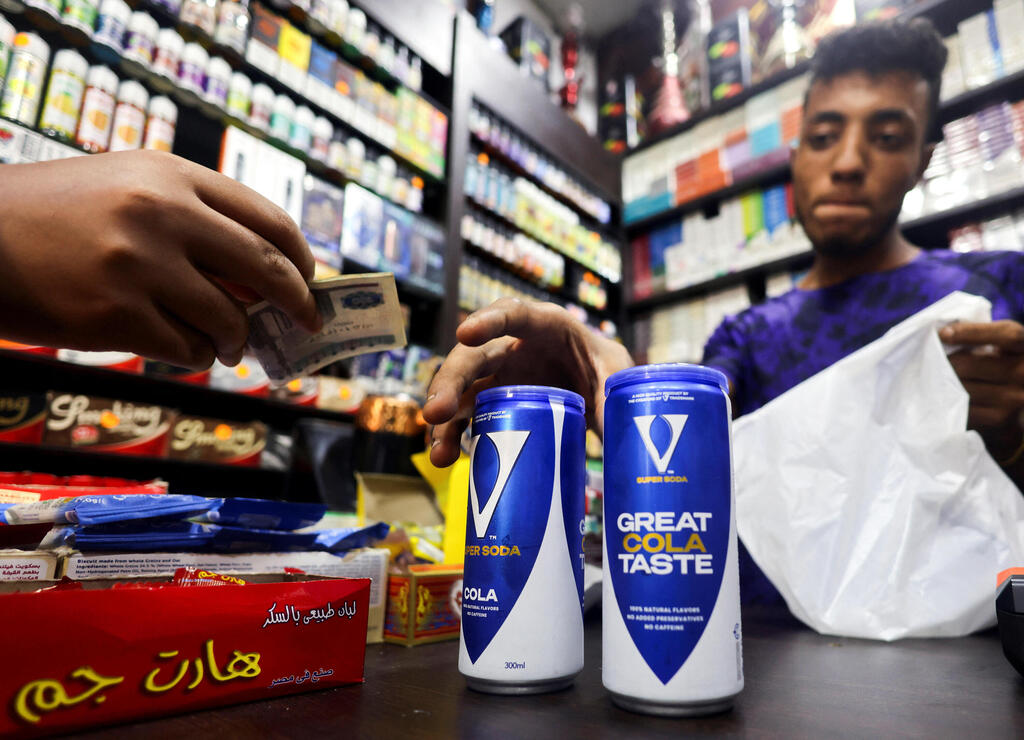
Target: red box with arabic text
(130,650)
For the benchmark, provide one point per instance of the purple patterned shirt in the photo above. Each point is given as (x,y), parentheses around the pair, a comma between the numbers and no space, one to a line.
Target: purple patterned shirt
(772,347)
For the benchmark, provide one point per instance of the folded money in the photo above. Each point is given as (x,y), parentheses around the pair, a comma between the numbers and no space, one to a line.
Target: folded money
(360,314)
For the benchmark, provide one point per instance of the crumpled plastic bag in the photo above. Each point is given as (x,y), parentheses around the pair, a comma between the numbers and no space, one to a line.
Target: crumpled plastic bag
(865,500)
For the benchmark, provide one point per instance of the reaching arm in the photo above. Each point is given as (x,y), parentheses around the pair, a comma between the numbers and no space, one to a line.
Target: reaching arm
(143,252)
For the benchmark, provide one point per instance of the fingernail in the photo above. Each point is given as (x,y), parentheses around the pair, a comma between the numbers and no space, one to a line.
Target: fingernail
(946,332)
(431,397)
(435,443)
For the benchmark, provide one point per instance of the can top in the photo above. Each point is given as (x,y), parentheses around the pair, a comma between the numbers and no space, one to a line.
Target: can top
(531,393)
(677,371)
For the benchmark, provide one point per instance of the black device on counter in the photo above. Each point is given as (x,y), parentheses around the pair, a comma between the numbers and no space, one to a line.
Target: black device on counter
(1010,616)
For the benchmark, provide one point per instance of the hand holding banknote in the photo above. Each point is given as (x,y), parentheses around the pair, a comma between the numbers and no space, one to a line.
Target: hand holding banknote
(360,313)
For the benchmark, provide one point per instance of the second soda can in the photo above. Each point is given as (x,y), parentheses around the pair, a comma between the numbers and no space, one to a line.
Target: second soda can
(522,597)
(672,643)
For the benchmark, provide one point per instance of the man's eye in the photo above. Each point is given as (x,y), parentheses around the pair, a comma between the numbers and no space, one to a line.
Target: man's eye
(820,140)
(888,140)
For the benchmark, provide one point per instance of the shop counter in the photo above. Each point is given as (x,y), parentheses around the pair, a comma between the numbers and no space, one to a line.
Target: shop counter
(798,684)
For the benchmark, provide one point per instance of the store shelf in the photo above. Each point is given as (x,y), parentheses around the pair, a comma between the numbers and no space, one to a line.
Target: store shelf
(559,292)
(512,225)
(925,228)
(427,27)
(971,101)
(945,14)
(771,176)
(37,373)
(728,280)
(407,291)
(237,62)
(515,168)
(182,476)
(496,82)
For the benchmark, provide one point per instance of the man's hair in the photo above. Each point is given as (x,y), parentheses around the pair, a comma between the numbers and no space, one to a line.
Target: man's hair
(886,46)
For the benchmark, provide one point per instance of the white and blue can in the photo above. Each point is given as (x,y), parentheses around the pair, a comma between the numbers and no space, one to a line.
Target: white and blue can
(522,596)
(672,640)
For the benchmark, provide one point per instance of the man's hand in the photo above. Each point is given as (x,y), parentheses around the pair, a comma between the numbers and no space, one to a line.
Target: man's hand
(143,252)
(512,342)
(991,368)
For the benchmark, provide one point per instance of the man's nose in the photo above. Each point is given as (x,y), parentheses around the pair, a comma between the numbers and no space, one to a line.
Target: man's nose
(850,161)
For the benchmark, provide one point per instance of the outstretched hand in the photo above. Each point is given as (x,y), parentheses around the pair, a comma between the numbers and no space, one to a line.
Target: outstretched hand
(143,252)
(512,342)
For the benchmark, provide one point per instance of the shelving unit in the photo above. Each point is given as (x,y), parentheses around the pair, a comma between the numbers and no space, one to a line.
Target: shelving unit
(930,230)
(488,77)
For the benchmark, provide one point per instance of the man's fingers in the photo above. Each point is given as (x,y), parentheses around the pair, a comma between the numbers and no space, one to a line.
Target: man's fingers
(511,317)
(230,251)
(464,366)
(169,339)
(988,368)
(446,438)
(208,309)
(252,210)
(1005,334)
(1007,398)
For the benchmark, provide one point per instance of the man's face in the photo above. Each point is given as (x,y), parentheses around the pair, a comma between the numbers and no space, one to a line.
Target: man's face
(861,149)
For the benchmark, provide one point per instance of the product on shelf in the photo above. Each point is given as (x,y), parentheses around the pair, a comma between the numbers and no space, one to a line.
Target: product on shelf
(202,14)
(160,125)
(126,362)
(104,425)
(218,80)
(1002,232)
(21,416)
(129,117)
(678,333)
(246,378)
(322,213)
(140,41)
(488,129)
(23,89)
(111,24)
(530,48)
(729,56)
(166,58)
(64,94)
(980,155)
(715,153)
(232,25)
(192,69)
(300,391)
(754,229)
(97,115)
(239,96)
(80,15)
(216,441)
(7,34)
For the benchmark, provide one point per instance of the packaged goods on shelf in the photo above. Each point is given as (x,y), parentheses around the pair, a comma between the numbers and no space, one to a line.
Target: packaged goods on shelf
(216,440)
(181,374)
(715,153)
(407,370)
(124,361)
(729,56)
(28,565)
(104,425)
(322,219)
(678,333)
(748,231)
(300,391)
(22,416)
(1003,232)
(247,378)
(522,254)
(530,48)
(981,155)
(488,129)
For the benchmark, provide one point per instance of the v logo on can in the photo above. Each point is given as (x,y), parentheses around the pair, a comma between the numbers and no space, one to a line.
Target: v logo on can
(508,444)
(676,422)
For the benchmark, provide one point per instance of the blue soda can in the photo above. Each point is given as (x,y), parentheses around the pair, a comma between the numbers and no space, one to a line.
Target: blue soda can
(522,595)
(672,640)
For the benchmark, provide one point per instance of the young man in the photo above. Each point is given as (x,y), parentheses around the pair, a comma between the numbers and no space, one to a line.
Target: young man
(869,129)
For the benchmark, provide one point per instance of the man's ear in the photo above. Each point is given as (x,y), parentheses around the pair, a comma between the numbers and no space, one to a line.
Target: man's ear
(926,156)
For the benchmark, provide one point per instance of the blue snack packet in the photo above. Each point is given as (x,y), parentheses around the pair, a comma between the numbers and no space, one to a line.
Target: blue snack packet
(264,514)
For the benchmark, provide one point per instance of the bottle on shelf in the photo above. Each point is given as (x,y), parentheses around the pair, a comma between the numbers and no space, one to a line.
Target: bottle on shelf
(63,101)
(98,103)
(23,89)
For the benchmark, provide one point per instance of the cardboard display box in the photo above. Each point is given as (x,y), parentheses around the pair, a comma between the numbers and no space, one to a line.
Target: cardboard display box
(366,563)
(137,649)
(425,605)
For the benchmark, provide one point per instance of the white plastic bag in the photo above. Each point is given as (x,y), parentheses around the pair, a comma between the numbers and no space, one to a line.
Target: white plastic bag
(865,500)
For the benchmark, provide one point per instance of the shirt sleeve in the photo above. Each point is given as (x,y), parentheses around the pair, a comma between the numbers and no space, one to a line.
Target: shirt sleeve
(725,351)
